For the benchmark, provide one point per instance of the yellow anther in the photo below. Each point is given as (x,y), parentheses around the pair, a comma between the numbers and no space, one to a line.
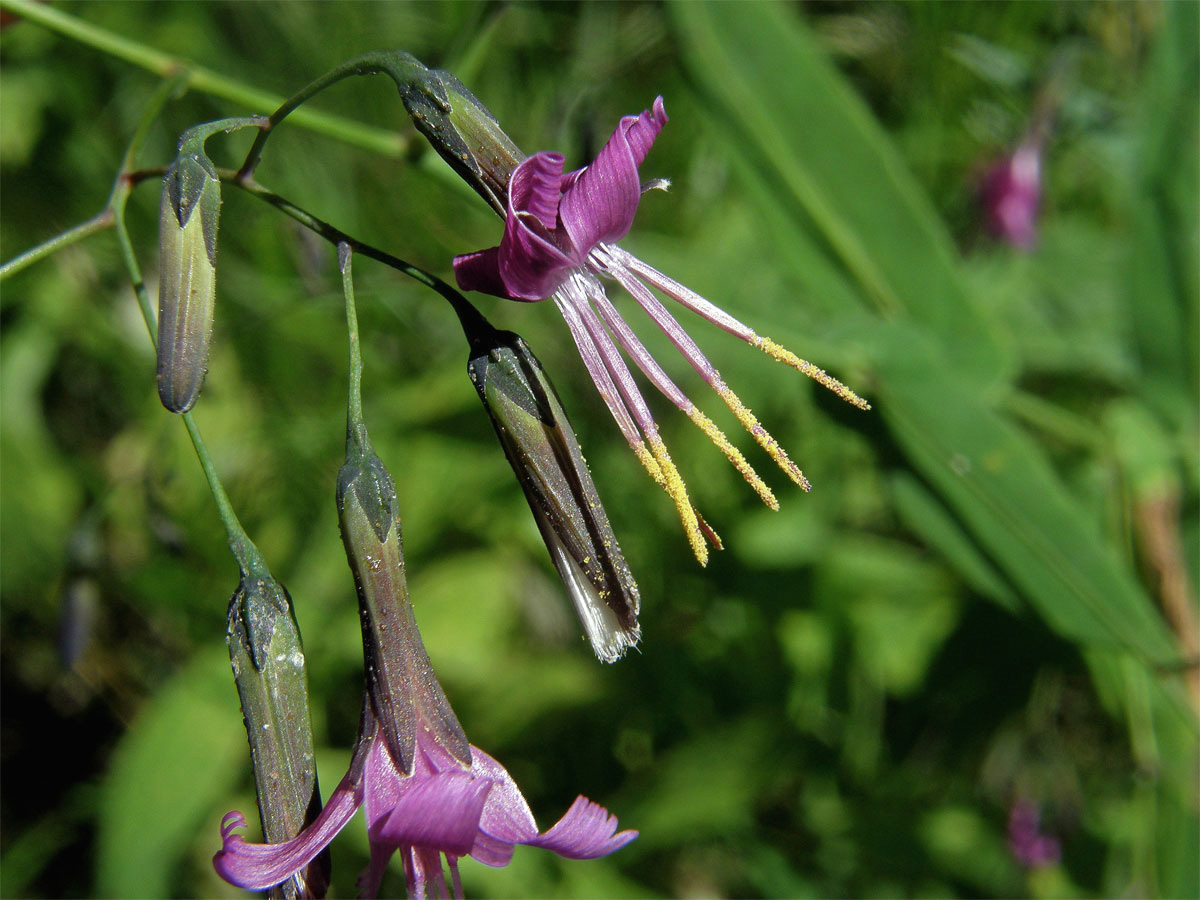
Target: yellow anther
(650,463)
(705,424)
(760,434)
(819,375)
(671,481)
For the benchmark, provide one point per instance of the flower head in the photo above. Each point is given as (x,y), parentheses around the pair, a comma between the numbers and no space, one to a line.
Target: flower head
(426,792)
(559,240)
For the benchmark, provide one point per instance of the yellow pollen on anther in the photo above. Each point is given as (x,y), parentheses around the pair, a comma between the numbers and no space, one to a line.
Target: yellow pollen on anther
(650,463)
(734,455)
(672,482)
(760,434)
(817,374)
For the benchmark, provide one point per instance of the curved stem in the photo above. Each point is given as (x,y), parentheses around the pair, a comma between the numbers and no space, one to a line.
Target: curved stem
(192,140)
(472,320)
(402,67)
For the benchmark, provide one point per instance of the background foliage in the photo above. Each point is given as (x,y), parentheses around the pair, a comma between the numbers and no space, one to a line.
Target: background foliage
(848,701)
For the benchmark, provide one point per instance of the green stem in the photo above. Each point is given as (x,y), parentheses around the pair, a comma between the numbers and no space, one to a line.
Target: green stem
(102,220)
(249,559)
(402,67)
(192,140)
(354,413)
(199,78)
(467,314)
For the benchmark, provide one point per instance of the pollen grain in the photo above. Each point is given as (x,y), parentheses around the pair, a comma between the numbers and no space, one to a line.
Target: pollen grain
(671,481)
(751,424)
(817,374)
(705,424)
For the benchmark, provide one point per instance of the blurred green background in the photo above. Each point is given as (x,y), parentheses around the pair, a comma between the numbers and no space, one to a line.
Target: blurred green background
(986,598)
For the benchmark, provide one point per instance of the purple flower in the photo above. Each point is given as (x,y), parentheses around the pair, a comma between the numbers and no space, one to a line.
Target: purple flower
(441,809)
(1011,195)
(425,791)
(559,239)
(1028,845)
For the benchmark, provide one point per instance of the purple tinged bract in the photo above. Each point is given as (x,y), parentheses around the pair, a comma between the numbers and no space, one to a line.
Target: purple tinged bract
(559,240)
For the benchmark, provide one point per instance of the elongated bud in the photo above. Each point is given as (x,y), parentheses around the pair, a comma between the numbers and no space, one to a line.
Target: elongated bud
(401,684)
(464,133)
(187,239)
(268,667)
(541,448)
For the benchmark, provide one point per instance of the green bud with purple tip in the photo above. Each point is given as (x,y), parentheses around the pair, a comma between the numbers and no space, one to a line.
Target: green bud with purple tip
(187,235)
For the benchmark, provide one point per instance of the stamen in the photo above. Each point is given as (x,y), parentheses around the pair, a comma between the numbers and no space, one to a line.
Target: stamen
(712,537)
(649,462)
(705,424)
(768,443)
(670,480)
(772,349)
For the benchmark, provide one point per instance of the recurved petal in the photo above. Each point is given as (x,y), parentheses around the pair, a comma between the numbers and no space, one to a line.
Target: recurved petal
(586,831)
(480,271)
(534,188)
(506,817)
(439,812)
(601,202)
(257,867)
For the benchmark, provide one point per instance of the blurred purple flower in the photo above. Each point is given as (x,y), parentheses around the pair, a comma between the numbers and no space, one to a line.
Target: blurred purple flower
(559,239)
(1012,193)
(441,808)
(1028,845)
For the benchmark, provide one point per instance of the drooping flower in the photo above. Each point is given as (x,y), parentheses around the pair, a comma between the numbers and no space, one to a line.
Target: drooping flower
(559,239)
(426,792)
(1011,195)
(442,809)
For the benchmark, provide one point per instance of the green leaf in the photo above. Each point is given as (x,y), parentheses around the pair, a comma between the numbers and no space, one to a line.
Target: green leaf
(999,484)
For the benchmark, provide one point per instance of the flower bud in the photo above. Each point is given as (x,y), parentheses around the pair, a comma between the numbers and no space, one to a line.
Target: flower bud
(403,690)
(187,237)
(268,668)
(464,133)
(541,448)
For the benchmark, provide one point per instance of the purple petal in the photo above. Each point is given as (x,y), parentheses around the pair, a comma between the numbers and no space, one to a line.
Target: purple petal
(257,867)
(601,203)
(530,263)
(481,272)
(506,816)
(439,812)
(535,188)
(586,831)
